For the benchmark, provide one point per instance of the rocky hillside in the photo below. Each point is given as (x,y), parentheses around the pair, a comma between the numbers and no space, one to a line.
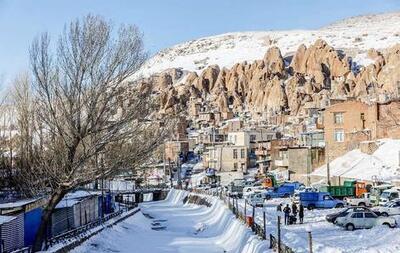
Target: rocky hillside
(297,68)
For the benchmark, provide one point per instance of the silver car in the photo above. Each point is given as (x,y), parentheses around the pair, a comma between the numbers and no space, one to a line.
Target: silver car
(364,219)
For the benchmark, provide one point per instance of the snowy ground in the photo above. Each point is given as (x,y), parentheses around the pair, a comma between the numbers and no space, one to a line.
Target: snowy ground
(189,228)
(327,237)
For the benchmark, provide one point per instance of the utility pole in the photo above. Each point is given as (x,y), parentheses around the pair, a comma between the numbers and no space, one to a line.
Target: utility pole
(328,173)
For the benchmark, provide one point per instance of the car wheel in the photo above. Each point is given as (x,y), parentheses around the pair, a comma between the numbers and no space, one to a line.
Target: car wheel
(387,224)
(310,207)
(340,205)
(350,227)
(361,204)
(385,214)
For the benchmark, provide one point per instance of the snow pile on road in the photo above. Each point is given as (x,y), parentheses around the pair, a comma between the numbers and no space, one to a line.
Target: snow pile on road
(382,165)
(178,227)
(354,36)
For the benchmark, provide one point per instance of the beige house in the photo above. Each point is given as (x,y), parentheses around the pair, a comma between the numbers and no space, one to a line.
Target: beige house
(225,158)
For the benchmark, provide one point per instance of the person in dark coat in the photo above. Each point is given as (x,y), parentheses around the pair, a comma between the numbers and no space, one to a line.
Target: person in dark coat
(279,208)
(294,209)
(301,213)
(286,210)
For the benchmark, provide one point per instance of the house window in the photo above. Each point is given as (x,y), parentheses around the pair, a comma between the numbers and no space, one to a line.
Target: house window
(235,154)
(339,135)
(338,117)
(242,153)
(252,137)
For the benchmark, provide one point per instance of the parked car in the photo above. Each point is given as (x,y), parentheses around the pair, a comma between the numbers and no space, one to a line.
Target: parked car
(388,195)
(390,208)
(252,189)
(283,191)
(256,199)
(365,200)
(364,219)
(312,200)
(333,216)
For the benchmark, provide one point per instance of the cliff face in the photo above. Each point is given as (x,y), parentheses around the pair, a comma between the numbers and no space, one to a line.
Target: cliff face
(274,84)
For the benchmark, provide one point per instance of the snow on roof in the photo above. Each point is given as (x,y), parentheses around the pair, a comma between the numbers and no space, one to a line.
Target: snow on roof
(72,198)
(5,219)
(18,203)
(383,164)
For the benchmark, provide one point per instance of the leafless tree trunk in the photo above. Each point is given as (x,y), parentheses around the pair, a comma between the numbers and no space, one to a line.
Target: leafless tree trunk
(83,108)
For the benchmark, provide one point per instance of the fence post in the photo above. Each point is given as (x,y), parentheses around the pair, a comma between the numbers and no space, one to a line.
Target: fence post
(265,227)
(254,212)
(279,233)
(245,209)
(237,208)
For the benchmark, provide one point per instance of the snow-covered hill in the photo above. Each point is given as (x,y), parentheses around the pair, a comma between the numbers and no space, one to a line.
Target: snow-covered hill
(354,36)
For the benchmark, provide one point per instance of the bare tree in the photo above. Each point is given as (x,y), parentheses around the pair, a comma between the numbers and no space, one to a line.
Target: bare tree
(84,111)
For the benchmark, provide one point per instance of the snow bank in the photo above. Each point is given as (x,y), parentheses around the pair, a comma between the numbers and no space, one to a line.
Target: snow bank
(189,228)
(383,164)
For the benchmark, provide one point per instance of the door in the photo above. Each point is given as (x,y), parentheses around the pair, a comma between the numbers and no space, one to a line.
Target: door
(395,210)
(358,219)
(328,201)
(370,219)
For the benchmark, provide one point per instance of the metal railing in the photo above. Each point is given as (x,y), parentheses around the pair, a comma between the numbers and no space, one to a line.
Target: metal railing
(258,229)
(76,232)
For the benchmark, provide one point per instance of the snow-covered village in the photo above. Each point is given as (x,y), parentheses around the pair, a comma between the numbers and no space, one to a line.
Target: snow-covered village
(200,126)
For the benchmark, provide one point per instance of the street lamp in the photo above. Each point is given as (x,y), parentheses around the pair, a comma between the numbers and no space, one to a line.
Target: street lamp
(280,215)
(308,230)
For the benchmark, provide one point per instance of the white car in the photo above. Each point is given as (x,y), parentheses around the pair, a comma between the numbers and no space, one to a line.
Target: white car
(389,208)
(252,189)
(256,199)
(364,219)
(388,195)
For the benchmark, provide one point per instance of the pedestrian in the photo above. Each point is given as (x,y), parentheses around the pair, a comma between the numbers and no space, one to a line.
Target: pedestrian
(279,208)
(301,213)
(294,209)
(286,210)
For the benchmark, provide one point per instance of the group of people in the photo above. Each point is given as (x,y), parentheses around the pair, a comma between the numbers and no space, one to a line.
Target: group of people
(291,213)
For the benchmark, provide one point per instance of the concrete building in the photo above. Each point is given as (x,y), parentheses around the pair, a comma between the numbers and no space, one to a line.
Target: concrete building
(226,158)
(174,148)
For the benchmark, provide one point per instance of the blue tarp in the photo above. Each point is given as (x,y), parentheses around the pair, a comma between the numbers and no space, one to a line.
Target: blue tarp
(31,225)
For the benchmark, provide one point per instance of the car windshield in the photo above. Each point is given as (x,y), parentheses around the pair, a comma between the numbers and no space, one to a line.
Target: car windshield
(385,195)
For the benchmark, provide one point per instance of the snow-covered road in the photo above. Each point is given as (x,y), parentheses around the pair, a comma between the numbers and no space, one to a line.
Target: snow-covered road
(189,228)
(327,237)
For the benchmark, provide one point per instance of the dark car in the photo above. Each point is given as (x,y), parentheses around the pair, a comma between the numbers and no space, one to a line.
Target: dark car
(333,216)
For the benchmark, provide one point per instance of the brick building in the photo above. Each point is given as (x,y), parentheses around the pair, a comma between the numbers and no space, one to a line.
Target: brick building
(349,123)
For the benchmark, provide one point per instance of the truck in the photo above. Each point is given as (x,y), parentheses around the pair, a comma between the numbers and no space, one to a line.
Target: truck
(365,200)
(389,195)
(283,191)
(312,200)
(376,192)
(350,188)
(256,199)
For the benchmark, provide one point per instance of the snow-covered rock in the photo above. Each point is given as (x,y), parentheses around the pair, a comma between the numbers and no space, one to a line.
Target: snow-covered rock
(354,36)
